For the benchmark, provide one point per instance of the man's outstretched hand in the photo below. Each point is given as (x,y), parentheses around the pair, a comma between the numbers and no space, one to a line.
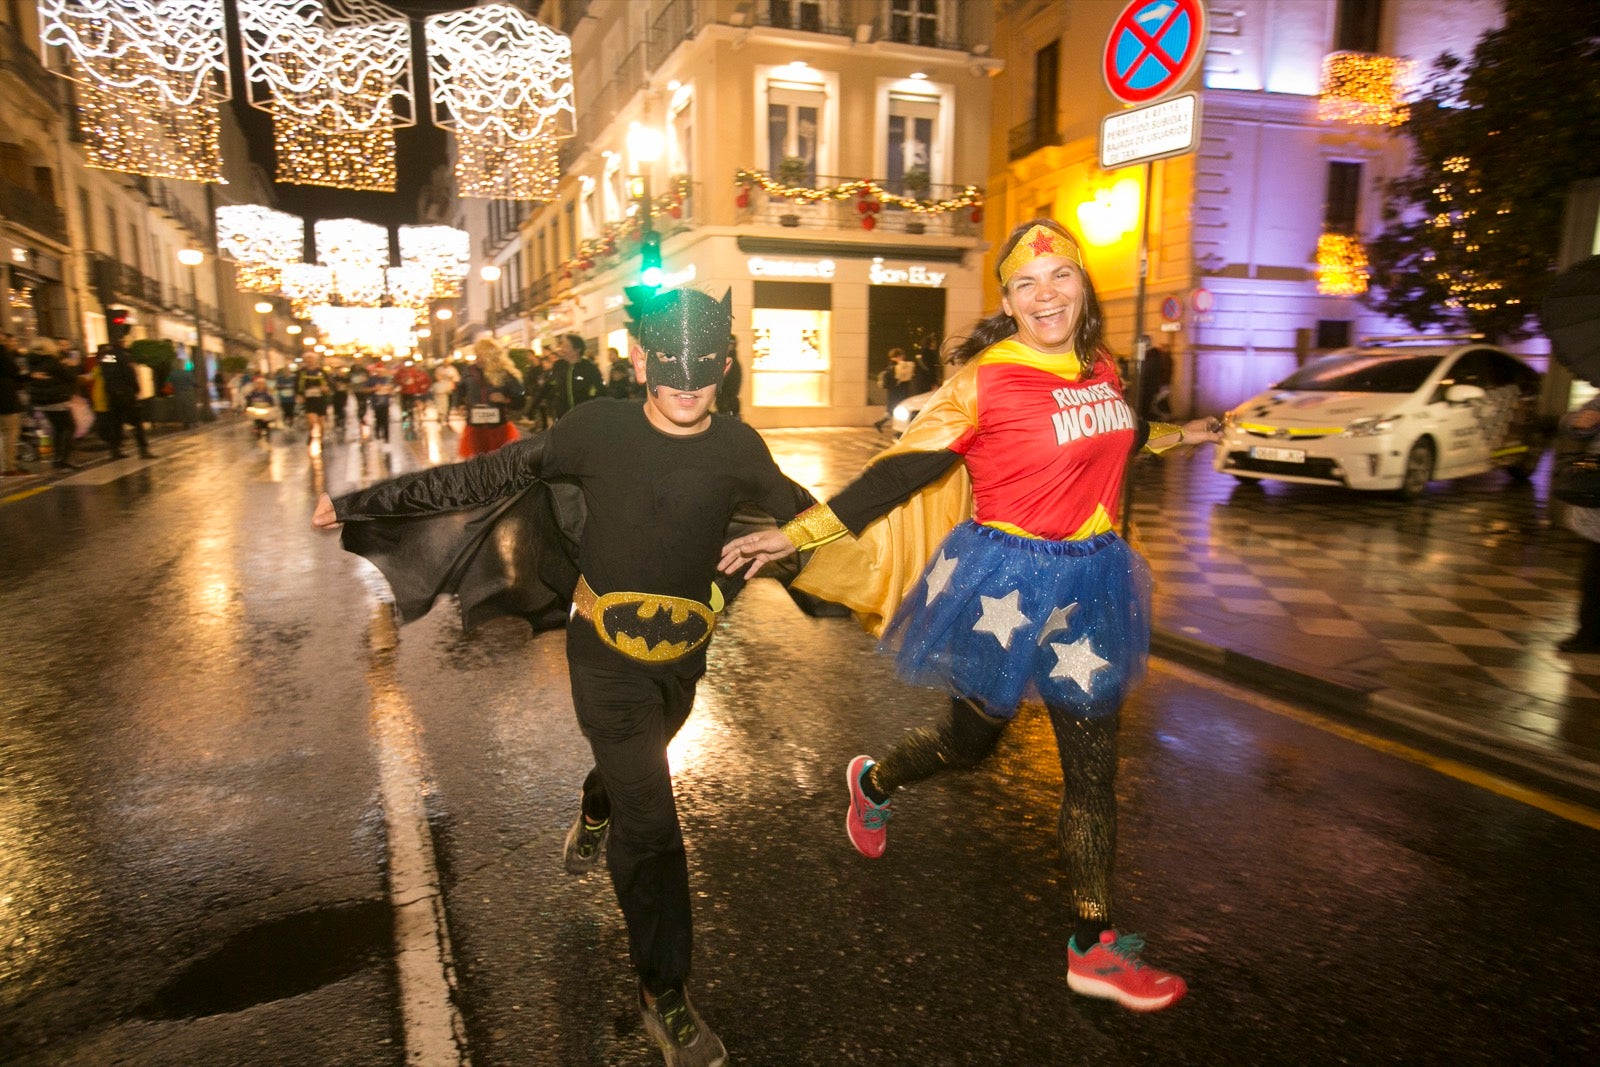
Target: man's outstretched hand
(324,518)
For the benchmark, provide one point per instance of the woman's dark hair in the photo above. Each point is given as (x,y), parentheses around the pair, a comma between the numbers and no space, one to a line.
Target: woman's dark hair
(1089,343)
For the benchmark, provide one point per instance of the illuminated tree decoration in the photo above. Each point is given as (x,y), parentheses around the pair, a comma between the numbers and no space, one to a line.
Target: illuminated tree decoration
(336,78)
(1341,265)
(153,73)
(503,83)
(1363,89)
(444,250)
(353,243)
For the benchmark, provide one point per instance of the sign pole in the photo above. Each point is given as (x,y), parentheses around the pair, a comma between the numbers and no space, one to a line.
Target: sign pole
(1140,341)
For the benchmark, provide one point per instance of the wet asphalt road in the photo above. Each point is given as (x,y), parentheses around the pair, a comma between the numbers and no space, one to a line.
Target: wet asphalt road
(192,848)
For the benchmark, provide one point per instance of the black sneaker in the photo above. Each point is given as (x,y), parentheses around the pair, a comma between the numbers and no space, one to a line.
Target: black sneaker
(677,1029)
(584,846)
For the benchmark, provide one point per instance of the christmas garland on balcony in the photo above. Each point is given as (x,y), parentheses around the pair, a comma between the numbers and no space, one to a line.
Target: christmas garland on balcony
(870,196)
(669,203)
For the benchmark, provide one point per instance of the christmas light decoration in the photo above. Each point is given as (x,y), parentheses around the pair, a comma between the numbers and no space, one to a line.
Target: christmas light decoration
(152,74)
(969,196)
(367,329)
(410,286)
(1341,265)
(307,284)
(353,243)
(503,83)
(444,250)
(336,77)
(250,233)
(361,286)
(1363,89)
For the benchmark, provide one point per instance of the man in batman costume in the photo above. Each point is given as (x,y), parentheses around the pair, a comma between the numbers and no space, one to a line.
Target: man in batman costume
(611,523)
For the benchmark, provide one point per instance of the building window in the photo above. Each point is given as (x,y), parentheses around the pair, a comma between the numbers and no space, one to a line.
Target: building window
(796,15)
(572,229)
(1341,210)
(912,122)
(914,22)
(1046,92)
(1359,22)
(86,213)
(1333,333)
(794,122)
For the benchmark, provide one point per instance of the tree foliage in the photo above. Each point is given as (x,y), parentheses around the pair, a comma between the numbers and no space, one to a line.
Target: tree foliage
(1471,233)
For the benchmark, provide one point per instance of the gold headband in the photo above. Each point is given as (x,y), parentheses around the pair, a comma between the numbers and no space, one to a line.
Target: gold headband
(1038,241)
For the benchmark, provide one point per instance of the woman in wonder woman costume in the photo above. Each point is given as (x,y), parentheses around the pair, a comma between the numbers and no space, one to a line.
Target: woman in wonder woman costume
(1017,463)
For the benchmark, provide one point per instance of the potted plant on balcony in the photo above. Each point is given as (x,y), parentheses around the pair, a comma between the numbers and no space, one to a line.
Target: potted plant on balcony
(916,184)
(792,171)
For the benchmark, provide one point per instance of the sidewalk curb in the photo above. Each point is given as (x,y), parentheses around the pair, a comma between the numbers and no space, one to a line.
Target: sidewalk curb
(1394,714)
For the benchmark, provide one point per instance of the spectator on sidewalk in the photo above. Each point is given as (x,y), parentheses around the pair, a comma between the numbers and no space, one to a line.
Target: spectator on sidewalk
(1584,425)
(51,386)
(12,378)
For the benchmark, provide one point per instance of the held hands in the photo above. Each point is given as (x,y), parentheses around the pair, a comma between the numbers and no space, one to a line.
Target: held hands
(1198,431)
(756,549)
(324,518)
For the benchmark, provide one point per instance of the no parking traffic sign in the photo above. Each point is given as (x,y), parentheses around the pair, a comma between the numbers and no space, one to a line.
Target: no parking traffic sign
(1152,47)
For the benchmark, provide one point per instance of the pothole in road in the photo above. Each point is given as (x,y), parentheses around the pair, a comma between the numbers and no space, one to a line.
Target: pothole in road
(278,959)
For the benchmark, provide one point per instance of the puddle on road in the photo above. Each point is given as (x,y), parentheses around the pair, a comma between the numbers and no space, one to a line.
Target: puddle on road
(278,959)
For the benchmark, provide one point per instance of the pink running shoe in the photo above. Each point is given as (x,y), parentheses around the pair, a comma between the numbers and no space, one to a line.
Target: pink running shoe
(866,823)
(1112,970)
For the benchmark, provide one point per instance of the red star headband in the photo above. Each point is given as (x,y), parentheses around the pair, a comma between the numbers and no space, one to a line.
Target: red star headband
(1037,242)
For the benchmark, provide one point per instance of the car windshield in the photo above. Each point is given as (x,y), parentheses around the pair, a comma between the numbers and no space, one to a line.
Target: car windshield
(1362,374)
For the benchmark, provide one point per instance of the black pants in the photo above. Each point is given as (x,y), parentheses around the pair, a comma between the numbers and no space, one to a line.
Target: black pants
(339,416)
(62,429)
(1589,593)
(110,425)
(629,717)
(380,417)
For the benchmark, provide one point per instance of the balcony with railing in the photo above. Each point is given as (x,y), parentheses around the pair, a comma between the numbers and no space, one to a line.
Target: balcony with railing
(19,59)
(840,203)
(27,208)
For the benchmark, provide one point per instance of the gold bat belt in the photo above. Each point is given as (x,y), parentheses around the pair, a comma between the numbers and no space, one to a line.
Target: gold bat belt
(648,627)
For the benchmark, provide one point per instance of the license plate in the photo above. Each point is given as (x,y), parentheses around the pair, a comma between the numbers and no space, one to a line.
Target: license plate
(1278,455)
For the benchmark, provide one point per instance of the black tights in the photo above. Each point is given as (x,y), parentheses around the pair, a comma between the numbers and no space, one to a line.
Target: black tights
(1087,827)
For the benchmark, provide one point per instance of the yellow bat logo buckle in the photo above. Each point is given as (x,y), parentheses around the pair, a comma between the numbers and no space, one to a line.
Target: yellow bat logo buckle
(652,628)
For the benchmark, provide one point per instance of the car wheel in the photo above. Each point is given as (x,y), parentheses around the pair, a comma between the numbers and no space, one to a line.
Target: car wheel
(1419,470)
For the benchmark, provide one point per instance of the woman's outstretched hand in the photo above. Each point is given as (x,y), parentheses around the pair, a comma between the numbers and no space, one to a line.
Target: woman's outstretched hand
(755,550)
(325,518)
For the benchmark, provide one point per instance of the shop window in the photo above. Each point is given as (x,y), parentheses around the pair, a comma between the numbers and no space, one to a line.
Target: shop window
(794,122)
(790,355)
(914,22)
(912,121)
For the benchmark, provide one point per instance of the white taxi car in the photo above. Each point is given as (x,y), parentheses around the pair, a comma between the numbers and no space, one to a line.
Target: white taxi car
(1392,414)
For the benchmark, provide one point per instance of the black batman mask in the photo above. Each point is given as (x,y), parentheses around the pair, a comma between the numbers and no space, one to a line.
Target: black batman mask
(684,334)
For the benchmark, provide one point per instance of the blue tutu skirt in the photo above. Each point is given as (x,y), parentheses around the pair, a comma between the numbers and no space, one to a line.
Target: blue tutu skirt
(999,619)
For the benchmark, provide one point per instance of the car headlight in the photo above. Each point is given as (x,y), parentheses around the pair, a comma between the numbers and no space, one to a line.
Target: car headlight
(1371,426)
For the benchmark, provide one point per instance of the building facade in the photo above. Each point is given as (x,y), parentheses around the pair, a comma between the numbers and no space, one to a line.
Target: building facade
(821,159)
(1254,241)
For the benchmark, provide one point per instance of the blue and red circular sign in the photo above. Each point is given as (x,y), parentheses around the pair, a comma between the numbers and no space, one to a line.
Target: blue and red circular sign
(1152,47)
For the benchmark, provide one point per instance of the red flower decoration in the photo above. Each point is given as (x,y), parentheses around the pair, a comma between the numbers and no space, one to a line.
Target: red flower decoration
(676,211)
(868,222)
(977,214)
(743,199)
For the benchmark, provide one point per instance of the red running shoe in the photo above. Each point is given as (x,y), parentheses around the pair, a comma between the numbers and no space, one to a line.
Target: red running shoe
(1112,970)
(866,823)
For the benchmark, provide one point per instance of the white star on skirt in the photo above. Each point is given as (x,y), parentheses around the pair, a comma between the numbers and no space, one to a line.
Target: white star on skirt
(939,577)
(1001,617)
(1058,620)
(1077,661)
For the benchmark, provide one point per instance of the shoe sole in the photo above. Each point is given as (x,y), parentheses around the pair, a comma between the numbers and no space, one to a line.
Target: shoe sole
(1094,987)
(852,775)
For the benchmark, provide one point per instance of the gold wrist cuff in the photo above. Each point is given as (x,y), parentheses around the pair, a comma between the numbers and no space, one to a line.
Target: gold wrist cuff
(817,525)
(1159,430)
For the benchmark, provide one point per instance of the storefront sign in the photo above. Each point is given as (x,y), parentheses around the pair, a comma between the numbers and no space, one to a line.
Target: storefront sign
(878,274)
(762,267)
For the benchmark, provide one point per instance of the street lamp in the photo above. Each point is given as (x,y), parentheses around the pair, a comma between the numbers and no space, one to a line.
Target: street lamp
(192,258)
(489,272)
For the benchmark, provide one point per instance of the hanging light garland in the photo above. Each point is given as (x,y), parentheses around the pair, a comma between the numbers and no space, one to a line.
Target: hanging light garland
(336,77)
(444,250)
(305,285)
(1341,265)
(367,328)
(410,286)
(153,73)
(1363,89)
(867,190)
(351,243)
(260,241)
(503,83)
